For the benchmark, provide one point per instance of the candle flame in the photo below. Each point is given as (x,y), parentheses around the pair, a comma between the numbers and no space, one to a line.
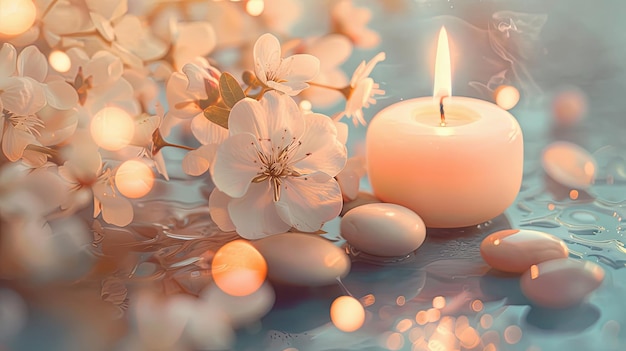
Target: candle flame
(443,75)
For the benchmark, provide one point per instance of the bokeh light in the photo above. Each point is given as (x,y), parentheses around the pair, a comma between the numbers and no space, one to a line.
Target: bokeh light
(16,16)
(506,96)
(512,334)
(112,128)
(394,341)
(347,313)
(569,106)
(134,179)
(569,164)
(60,61)
(439,302)
(255,7)
(238,268)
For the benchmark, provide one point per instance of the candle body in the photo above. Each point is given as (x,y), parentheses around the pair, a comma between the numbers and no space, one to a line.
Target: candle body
(461,174)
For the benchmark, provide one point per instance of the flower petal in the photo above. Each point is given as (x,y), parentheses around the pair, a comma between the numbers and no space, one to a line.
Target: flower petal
(266,54)
(194,39)
(32,63)
(103,25)
(116,209)
(254,214)
(60,125)
(60,95)
(196,162)
(22,95)
(301,67)
(206,131)
(307,202)
(181,102)
(282,113)
(145,126)
(289,88)
(236,164)
(218,208)
(364,69)
(248,116)
(8,59)
(196,77)
(14,141)
(159,164)
(111,9)
(319,149)
(332,50)
(104,68)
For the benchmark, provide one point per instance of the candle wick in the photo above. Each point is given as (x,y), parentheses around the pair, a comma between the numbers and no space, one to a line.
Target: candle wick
(442,112)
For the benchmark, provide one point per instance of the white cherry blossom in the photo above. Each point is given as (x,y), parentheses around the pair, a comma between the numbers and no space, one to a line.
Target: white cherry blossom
(276,169)
(363,89)
(287,75)
(88,180)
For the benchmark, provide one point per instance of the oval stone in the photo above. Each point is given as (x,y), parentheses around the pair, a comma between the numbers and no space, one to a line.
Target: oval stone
(515,250)
(302,259)
(383,229)
(561,283)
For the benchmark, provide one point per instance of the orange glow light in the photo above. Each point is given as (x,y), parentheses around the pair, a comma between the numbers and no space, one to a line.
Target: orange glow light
(238,268)
(16,16)
(443,73)
(60,61)
(347,313)
(112,128)
(134,179)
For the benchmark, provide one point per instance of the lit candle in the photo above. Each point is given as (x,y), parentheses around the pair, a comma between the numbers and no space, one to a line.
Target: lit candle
(455,161)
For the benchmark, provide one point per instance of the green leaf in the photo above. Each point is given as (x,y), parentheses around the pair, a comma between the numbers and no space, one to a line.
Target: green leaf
(230,89)
(217,115)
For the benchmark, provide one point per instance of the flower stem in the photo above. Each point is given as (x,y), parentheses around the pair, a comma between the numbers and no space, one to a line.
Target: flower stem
(345,91)
(158,143)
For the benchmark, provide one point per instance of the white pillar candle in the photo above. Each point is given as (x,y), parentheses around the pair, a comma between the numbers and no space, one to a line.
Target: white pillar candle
(463,173)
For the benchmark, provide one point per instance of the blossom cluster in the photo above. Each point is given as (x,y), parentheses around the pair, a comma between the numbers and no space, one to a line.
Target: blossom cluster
(92,92)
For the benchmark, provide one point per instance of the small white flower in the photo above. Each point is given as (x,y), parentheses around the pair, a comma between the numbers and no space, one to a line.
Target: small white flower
(88,180)
(362,90)
(286,75)
(276,169)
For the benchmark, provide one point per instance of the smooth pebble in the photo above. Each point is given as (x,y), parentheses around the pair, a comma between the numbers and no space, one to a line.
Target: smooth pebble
(383,229)
(561,283)
(515,250)
(569,164)
(302,259)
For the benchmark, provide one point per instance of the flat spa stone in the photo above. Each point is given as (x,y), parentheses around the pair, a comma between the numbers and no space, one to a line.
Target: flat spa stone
(302,259)
(561,283)
(383,229)
(515,250)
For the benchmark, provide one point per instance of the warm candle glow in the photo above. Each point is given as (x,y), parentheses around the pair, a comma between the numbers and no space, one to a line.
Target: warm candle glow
(443,75)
